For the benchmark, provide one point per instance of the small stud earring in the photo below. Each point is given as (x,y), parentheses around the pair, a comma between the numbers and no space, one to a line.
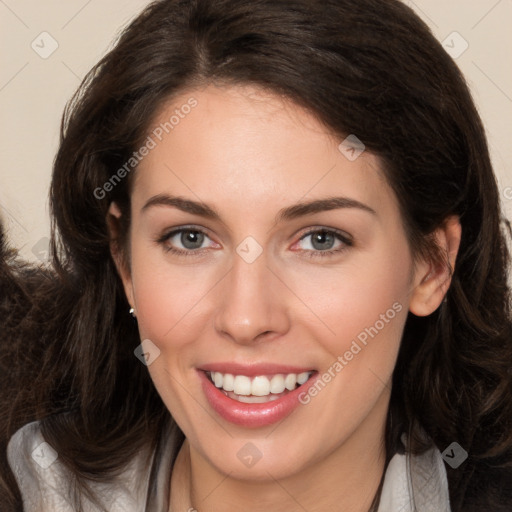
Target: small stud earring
(132,312)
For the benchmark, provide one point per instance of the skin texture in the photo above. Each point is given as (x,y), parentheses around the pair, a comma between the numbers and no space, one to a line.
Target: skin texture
(248,154)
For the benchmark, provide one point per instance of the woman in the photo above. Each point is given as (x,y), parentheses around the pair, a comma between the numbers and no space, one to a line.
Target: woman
(282,274)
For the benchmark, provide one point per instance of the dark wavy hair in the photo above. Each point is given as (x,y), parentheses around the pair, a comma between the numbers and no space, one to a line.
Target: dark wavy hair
(367,67)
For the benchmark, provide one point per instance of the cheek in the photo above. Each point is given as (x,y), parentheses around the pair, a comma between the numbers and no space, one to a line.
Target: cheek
(359,314)
(168,297)
(360,305)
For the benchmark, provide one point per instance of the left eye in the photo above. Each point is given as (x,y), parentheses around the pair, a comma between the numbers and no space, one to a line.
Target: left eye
(324,240)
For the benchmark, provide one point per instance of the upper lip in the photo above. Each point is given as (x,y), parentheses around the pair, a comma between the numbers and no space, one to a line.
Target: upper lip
(253,370)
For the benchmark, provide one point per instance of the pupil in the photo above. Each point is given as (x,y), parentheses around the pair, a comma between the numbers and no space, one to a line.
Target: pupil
(192,239)
(323,240)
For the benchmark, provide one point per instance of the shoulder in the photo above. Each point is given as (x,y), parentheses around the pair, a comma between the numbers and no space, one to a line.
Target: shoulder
(41,479)
(46,484)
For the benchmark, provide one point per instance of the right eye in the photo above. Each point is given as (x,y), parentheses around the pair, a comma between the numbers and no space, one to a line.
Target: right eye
(184,241)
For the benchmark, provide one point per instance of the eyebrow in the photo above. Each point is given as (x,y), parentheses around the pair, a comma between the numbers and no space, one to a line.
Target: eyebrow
(289,213)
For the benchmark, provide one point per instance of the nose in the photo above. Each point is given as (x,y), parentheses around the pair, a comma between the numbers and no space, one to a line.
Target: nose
(252,303)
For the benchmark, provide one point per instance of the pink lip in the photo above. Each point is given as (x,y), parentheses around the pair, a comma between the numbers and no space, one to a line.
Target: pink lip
(252,370)
(253,415)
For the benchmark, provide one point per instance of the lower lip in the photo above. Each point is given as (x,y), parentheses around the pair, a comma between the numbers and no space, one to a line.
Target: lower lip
(252,415)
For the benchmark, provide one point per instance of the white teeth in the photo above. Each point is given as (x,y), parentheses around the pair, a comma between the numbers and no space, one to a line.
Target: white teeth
(242,385)
(303,377)
(290,381)
(252,399)
(229,382)
(218,379)
(260,386)
(277,384)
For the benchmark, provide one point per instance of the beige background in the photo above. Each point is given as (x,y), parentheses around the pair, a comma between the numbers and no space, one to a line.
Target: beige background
(34,90)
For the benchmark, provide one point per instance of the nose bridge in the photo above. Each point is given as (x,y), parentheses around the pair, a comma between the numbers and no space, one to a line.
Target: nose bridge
(249,301)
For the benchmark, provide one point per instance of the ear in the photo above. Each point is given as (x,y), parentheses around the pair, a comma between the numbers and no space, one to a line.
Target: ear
(432,279)
(118,255)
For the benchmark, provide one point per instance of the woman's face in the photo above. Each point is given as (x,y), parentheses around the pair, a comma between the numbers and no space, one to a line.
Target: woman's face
(291,259)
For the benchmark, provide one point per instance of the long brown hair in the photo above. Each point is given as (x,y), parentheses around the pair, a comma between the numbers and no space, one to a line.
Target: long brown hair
(365,67)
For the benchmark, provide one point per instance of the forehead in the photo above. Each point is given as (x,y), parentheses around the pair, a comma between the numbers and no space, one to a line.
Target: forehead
(220,144)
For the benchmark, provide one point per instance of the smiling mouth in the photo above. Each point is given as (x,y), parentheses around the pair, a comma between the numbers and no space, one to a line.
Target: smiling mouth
(259,389)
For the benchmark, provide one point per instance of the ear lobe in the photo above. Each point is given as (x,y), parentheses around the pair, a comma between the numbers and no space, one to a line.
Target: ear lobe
(113,220)
(434,278)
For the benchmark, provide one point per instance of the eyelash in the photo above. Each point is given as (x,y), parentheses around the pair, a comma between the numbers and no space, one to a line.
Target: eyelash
(340,235)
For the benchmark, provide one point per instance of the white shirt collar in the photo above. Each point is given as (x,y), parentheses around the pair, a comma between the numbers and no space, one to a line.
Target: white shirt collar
(415,483)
